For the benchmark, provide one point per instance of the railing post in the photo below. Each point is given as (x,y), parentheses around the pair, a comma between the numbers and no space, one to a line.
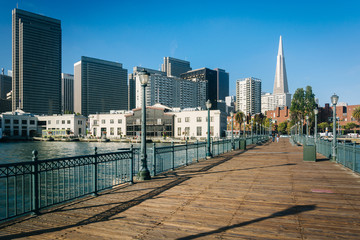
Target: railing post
(95,173)
(197,150)
(131,164)
(173,157)
(223,146)
(186,152)
(35,183)
(212,146)
(218,146)
(354,157)
(154,159)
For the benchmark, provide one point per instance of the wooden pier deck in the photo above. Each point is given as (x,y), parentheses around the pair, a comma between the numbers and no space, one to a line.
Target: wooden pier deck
(266,192)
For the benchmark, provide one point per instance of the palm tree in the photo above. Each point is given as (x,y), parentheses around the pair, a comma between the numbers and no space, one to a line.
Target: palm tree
(239,116)
(356,114)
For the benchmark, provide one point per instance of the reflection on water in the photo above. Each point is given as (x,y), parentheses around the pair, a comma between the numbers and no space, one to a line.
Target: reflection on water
(22,151)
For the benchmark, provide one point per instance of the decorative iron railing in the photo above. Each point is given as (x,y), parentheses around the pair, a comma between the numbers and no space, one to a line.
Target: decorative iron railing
(27,187)
(347,154)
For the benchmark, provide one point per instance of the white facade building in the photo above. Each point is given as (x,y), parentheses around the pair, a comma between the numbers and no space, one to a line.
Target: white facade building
(18,124)
(108,125)
(64,125)
(193,124)
(248,95)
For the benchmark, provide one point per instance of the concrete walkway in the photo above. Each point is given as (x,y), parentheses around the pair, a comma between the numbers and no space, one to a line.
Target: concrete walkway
(266,192)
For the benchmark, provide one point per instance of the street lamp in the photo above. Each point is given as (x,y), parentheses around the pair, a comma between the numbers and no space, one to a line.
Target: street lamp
(334,100)
(244,119)
(307,125)
(208,153)
(144,173)
(232,130)
(316,111)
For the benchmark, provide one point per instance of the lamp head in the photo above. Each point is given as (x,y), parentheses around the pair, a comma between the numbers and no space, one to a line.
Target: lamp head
(334,99)
(316,111)
(231,113)
(208,104)
(144,77)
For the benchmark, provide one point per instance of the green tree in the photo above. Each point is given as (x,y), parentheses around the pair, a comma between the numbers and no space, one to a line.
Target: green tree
(282,128)
(239,117)
(297,108)
(356,114)
(323,126)
(350,126)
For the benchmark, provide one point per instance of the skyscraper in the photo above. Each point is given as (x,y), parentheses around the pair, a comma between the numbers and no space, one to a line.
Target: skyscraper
(280,82)
(36,63)
(67,93)
(281,96)
(5,84)
(248,95)
(99,86)
(222,84)
(174,67)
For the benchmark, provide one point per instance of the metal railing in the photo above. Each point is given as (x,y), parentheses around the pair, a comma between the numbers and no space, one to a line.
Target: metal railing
(347,154)
(27,187)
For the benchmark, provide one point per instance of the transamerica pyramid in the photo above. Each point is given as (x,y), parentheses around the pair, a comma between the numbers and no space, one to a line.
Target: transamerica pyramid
(280,82)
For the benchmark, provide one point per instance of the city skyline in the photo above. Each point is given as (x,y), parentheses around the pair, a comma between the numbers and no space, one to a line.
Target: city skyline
(317,53)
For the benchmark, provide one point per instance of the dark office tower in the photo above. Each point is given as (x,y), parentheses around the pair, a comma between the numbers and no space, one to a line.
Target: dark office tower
(99,86)
(5,84)
(36,63)
(67,93)
(174,67)
(208,75)
(132,91)
(222,84)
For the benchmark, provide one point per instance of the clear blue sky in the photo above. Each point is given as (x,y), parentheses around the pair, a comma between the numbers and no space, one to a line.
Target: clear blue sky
(321,38)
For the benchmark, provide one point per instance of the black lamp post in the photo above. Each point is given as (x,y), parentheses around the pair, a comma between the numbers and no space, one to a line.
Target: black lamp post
(144,173)
(334,100)
(208,153)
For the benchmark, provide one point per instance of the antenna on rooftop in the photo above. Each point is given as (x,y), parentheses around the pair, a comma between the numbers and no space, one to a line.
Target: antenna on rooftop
(17,5)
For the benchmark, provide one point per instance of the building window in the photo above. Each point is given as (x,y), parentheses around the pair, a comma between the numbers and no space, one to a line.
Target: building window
(79,122)
(111,131)
(187,119)
(159,121)
(198,119)
(32,122)
(63,122)
(179,120)
(7,121)
(68,121)
(49,121)
(211,130)
(94,132)
(138,121)
(57,121)
(179,131)
(211,119)
(24,122)
(119,120)
(187,131)
(79,131)
(103,121)
(111,120)
(198,131)
(119,131)
(16,121)
(95,122)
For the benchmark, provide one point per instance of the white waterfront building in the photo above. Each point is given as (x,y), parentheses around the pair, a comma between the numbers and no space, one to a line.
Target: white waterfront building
(110,125)
(17,124)
(63,125)
(192,124)
(248,95)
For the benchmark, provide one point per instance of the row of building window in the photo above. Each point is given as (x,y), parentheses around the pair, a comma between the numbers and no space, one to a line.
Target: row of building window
(198,119)
(103,121)
(16,121)
(63,122)
(111,131)
(186,131)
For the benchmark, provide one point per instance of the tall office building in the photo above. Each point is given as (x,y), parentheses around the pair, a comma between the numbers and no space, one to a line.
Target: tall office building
(174,67)
(5,84)
(131,91)
(208,75)
(222,84)
(248,95)
(36,63)
(99,86)
(67,93)
(281,96)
